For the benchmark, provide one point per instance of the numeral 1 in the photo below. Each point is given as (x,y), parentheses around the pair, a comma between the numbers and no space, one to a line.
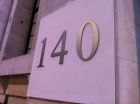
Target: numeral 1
(42,53)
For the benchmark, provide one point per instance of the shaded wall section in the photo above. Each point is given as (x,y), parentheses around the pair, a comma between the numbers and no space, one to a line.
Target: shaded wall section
(137,30)
(5,8)
(137,26)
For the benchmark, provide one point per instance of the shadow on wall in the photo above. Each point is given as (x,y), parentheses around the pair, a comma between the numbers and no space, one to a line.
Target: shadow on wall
(50,6)
(136,4)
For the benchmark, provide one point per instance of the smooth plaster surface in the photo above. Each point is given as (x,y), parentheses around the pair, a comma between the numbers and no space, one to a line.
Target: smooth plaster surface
(76,81)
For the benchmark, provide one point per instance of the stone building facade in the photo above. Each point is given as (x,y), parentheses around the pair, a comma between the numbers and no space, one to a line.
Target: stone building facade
(19,25)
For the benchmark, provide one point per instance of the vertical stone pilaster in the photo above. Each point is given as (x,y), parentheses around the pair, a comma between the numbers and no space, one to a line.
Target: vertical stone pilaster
(127,87)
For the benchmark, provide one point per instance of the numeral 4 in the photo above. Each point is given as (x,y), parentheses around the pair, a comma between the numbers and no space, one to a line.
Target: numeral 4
(63,51)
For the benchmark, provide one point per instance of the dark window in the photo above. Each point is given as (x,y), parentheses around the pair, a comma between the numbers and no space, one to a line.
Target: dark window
(22,29)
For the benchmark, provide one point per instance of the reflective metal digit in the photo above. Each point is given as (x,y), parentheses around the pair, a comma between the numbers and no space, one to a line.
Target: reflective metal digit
(95,42)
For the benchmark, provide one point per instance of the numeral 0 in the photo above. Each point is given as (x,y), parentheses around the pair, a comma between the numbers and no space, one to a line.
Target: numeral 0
(95,41)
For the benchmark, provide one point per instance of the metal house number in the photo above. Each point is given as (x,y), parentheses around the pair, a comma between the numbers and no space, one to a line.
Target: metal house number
(62,41)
